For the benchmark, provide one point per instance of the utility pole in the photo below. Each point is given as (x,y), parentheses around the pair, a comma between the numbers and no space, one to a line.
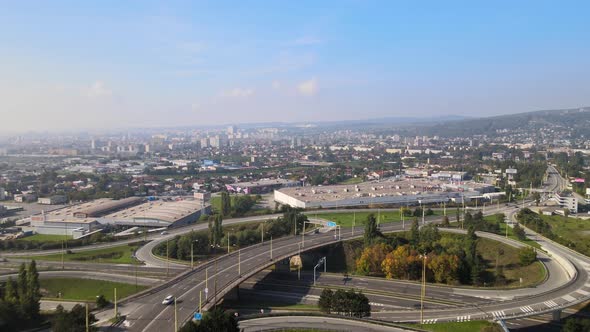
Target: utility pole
(207,284)
(200,300)
(300,263)
(62,255)
(175,316)
(192,250)
(353,222)
(262,232)
(167,258)
(271,247)
(87,319)
(423,290)
(228,243)
(423,220)
(116,312)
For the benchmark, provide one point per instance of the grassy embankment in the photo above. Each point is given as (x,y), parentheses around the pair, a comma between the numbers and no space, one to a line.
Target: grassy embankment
(575,230)
(117,255)
(85,289)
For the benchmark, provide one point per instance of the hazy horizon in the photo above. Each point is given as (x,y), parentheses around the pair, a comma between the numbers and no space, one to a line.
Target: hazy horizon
(68,65)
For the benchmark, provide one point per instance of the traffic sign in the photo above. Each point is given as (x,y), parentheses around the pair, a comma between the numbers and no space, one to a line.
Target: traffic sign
(198,316)
(331,224)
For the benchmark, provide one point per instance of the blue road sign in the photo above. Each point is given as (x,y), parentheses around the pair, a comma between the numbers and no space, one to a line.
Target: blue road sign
(198,316)
(331,224)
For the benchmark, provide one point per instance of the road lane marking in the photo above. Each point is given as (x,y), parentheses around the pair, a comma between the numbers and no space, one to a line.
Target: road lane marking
(568,298)
(499,314)
(527,309)
(550,304)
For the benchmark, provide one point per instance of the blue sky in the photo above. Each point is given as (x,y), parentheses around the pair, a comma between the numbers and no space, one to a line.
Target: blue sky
(82,64)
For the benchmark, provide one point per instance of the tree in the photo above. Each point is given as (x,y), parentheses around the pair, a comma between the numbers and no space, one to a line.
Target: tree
(101,302)
(445,222)
(371,230)
(519,232)
(370,260)
(72,321)
(225,204)
(576,325)
(325,302)
(537,198)
(527,255)
(216,230)
(33,293)
(10,292)
(414,234)
(218,320)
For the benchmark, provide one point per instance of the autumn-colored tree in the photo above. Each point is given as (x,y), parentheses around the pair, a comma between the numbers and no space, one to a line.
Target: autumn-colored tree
(444,267)
(371,258)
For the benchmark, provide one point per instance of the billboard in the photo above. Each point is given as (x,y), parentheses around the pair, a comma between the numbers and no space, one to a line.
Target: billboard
(579,180)
(511,171)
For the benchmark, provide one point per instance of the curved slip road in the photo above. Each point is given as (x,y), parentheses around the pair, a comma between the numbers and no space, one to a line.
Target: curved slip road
(313,322)
(147,314)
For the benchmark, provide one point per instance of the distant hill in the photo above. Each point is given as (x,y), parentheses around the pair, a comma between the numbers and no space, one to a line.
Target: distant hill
(578,120)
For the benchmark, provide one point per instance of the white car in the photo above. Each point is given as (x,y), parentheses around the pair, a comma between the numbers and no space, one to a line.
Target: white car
(168,300)
(164,233)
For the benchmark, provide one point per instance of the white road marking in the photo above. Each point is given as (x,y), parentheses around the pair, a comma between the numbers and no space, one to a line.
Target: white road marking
(527,309)
(550,304)
(568,298)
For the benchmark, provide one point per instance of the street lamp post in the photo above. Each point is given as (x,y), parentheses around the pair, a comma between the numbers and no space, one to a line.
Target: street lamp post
(239,262)
(423,291)
(300,263)
(303,233)
(271,247)
(192,255)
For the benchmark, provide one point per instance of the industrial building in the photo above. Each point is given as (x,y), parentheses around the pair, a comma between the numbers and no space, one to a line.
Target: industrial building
(261,186)
(53,200)
(80,219)
(567,200)
(386,192)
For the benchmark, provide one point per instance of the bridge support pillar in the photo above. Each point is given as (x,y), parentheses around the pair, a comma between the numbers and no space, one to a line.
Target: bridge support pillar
(556,315)
(233,294)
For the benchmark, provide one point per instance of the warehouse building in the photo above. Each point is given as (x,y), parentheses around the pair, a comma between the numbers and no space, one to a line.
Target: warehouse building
(261,186)
(387,192)
(83,218)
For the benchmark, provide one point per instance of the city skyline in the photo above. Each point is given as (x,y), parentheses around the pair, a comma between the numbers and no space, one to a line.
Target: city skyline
(112,65)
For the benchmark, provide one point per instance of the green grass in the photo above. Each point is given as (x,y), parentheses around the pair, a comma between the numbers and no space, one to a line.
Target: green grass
(575,230)
(531,275)
(511,235)
(345,219)
(117,255)
(352,180)
(45,238)
(473,326)
(86,289)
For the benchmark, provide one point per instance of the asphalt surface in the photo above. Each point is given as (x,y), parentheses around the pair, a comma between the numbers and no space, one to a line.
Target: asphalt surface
(311,322)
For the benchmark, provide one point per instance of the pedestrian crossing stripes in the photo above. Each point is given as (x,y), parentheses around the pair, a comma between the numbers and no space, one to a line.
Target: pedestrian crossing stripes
(568,298)
(463,318)
(498,314)
(430,321)
(527,309)
(550,304)
(583,292)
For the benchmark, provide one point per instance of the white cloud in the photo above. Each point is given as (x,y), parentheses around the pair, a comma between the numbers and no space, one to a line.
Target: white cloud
(238,93)
(98,89)
(308,88)
(307,40)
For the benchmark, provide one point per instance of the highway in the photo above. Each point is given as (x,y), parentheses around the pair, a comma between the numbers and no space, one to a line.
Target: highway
(313,322)
(147,314)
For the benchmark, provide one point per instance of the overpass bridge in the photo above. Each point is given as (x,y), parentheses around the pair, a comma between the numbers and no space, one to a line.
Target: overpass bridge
(212,281)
